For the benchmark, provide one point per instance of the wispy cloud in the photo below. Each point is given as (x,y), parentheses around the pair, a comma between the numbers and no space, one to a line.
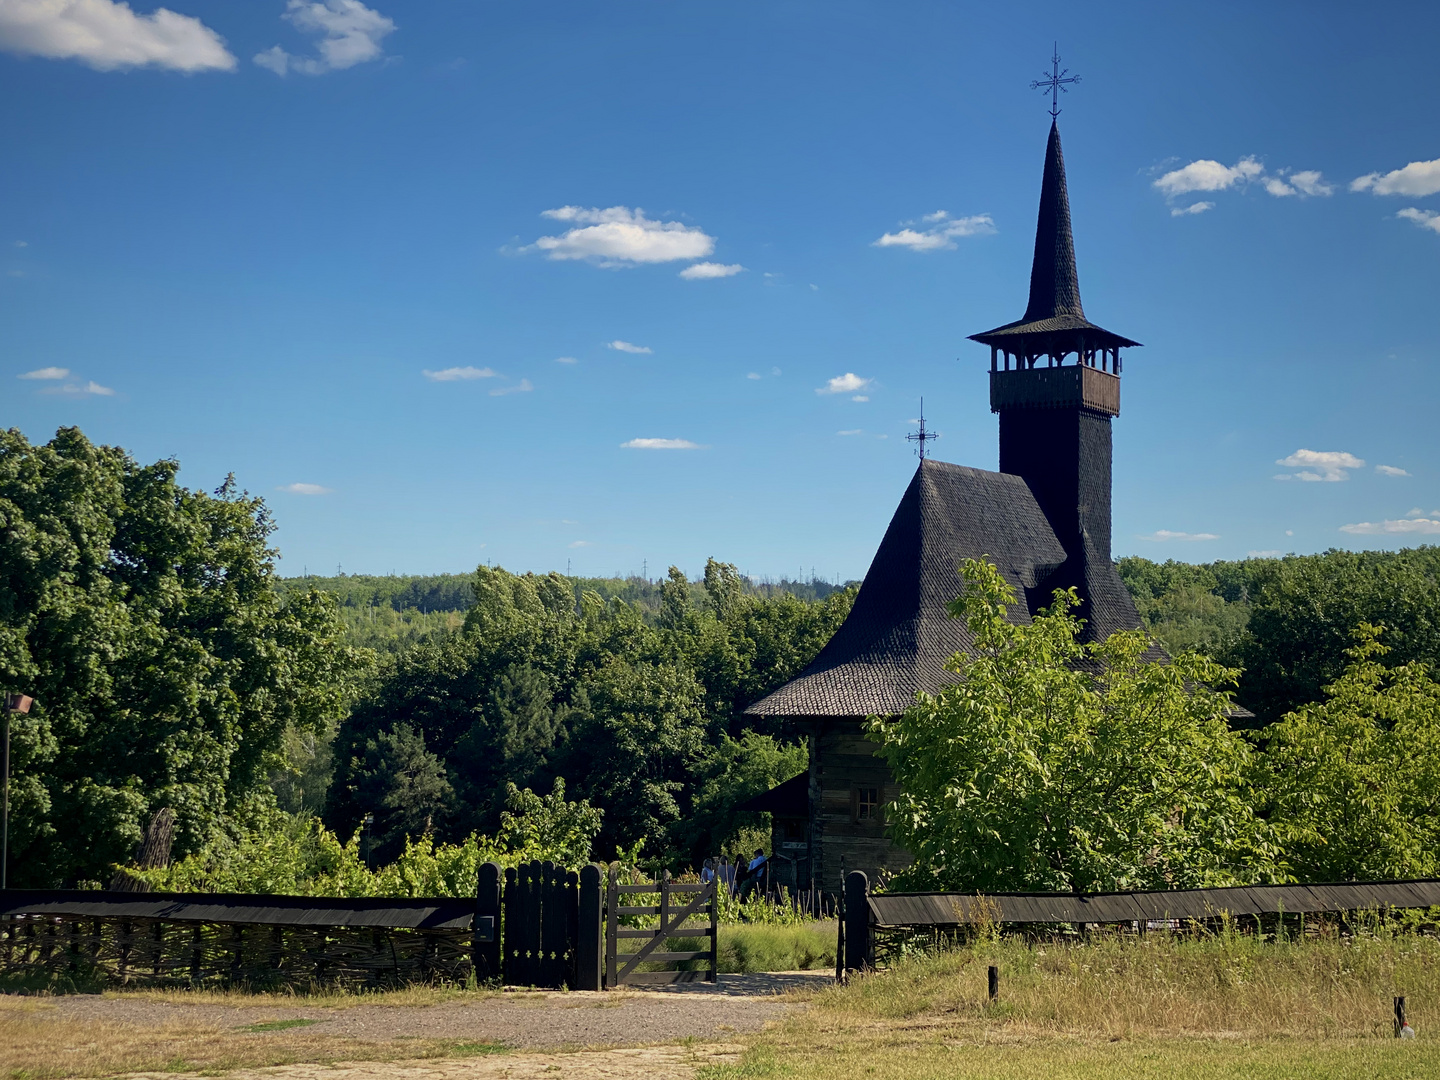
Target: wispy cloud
(1390,470)
(1320,465)
(108,35)
(1416,179)
(936,232)
(660,444)
(459,374)
(1408,526)
(566,360)
(848,383)
(1426,219)
(89,388)
(1268,553)
(522,387)
(851,431)
(1208,175)
(305,489)
(46,373)
(350,34)
(629,347)
(1303,184)
(580,544)
(619,237)
(1166,535)
(704,271)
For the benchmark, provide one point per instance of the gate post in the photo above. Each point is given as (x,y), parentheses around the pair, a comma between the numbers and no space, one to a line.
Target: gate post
(485,947)
(857,922)
(588,951)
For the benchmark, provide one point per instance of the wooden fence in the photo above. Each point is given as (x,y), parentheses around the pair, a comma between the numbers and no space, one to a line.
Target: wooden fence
(672,919)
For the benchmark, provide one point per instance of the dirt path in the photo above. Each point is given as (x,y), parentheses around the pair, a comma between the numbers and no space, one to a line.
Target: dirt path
(531,1021)
(651,1063)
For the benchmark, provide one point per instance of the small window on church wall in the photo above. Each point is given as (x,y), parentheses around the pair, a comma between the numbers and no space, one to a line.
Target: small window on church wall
(867,804)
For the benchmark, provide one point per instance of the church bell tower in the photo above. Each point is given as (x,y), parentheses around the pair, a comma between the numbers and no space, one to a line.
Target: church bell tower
(1055,382)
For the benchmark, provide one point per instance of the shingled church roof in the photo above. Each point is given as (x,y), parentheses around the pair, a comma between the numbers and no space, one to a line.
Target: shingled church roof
(1054,320)
(899,634)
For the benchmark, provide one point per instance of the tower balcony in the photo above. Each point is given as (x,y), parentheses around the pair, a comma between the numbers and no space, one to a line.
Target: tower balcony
(1076,386)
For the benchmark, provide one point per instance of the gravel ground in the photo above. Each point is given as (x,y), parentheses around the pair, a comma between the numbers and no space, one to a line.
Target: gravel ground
(528,1020)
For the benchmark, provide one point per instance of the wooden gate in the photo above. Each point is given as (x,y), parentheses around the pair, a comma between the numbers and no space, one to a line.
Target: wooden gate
(674,913)
(542,916)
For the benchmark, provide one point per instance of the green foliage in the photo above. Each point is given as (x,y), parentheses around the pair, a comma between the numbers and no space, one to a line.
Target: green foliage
(1287,622)
(145,620)
(297,856)
(1353,783)
(633,712)
(1056,765)
(731,772)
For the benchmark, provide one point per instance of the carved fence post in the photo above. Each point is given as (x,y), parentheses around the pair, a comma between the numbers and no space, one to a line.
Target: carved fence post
(486,953)
(589,952)
(858,955)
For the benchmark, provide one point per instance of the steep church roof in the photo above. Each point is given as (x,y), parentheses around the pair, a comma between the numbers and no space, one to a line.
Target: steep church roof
(1054,317)
(899,634)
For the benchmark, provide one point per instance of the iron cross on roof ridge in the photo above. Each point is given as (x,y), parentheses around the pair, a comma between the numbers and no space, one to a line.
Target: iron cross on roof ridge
(1055,82)
(921,437)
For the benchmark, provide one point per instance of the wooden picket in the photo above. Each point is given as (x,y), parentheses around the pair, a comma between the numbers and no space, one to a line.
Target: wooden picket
(541,903)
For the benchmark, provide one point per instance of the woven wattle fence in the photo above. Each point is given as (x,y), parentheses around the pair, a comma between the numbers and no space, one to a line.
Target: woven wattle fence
(197,939)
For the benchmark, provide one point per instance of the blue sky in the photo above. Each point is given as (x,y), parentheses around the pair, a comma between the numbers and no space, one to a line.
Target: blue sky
(572,283)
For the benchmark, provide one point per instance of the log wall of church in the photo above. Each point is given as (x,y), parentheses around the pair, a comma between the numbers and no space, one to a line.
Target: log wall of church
(848,786)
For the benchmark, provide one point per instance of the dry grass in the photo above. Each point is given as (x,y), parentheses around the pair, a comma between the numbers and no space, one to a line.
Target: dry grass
(38,1043)
(1231,1006)
(324,998)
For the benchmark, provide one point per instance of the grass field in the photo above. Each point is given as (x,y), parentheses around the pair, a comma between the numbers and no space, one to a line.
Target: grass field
(1231,1006)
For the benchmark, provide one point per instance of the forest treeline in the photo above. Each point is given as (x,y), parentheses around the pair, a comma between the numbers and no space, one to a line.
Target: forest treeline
(172,667)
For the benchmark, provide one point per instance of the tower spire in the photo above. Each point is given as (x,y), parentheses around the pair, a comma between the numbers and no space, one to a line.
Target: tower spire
(1054,280)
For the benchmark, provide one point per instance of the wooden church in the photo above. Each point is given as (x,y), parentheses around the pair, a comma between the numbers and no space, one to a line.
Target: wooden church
(1044,519)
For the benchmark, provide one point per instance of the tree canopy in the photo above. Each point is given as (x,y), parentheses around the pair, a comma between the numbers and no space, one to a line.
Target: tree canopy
(1052,764)
(144,619)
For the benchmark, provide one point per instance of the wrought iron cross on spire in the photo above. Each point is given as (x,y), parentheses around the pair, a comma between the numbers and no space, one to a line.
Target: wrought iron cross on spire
(1055,82)
(921,437)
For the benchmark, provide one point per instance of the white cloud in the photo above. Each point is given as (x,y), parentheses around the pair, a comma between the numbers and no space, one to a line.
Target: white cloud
(625,346)
(85,389)
(775,371)
(940,233)
(458,374)
(566,360)
(851,431)
(844,384)
(753,375)
(620,236)
(306,489)
(1305,183)
(1422,526)
(46,373)
(660,444)
(350,33)
(1390,470)
(861,397)
(22,243)
(580,543)
(1207,175)
(1193,208)
(1417,178)
(522,387)
(703,271)
(1426,219)
(1318,465)
(1165,535)
(107,34)
(1268,553)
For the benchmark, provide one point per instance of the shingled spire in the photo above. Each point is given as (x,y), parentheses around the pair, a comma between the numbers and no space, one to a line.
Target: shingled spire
(1054,283)
(1054,324)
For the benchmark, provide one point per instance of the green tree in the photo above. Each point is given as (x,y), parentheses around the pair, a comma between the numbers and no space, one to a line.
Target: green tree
(146,621)
(549,827)
(1056,765)
(1352,783)
(730,772)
